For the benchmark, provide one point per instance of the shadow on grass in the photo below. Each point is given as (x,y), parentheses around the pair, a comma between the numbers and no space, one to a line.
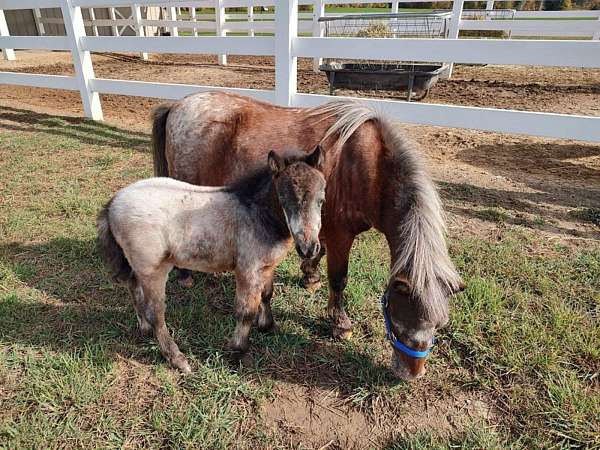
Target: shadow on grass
(84,130)
(522,204)
(76,306)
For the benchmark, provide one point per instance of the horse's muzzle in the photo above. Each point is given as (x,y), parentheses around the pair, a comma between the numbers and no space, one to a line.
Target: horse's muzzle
(308,250)
(406,367)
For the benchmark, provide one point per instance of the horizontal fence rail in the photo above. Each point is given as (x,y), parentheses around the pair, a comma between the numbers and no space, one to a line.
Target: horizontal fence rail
(263,45)
(486,119)
(42,81)
(169,91)
(485,51)
(286,46)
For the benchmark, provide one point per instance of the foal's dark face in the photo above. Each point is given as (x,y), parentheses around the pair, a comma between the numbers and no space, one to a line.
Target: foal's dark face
(300,187)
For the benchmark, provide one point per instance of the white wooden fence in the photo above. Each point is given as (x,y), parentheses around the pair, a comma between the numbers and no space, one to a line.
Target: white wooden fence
(286,46)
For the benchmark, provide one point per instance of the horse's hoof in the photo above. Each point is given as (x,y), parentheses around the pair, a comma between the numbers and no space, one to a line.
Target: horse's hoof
(186,282)
(142,334)
(179,362)
(242,358)
(343,334)
(269,329)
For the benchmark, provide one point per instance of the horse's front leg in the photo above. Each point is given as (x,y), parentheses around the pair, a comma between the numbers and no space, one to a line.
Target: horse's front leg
(338,251)
(264,319)
(310,268)
(248,290)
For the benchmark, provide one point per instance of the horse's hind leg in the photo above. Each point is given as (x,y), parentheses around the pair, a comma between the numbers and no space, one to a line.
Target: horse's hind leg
(310,268)
(264,319)
(137,294)
(152,307)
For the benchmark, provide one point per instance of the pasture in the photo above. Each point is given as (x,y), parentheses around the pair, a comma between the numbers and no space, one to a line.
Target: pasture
(516,367)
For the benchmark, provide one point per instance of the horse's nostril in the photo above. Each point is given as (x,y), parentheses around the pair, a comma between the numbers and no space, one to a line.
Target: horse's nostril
(316,249)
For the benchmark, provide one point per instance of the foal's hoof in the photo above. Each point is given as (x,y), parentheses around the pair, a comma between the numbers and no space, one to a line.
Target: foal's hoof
(268,329)
(343,334)
(242,358)
(186,282)
(311,284)
(179,362)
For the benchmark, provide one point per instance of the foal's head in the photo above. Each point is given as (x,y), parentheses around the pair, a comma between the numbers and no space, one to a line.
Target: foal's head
(300,187)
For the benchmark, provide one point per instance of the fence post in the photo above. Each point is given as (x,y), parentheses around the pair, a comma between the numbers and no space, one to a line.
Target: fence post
(318,12)
(136,13)
(93,20)
(37,16)
(395,7)
(9,53)
(220,19)
(489,5)
(286,64)
(193,17)
(82,60)
(173,16)
(457,9)
(113,17)
(250,12)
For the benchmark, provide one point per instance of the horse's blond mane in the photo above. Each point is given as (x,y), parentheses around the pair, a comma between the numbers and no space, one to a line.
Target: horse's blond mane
(423,256)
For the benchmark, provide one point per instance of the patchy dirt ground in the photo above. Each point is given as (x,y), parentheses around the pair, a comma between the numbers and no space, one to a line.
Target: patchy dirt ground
(488,181)
(320,419)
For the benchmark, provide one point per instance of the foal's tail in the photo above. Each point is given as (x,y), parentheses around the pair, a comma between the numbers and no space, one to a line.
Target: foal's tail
(159,128)
(111,251)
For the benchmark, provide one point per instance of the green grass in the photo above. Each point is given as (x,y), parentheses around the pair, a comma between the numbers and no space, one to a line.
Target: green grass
(524,336)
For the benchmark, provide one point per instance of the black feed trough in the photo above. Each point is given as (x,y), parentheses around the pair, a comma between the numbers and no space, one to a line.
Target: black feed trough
(412,78)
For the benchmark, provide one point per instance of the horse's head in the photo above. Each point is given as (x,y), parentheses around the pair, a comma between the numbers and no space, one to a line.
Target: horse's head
(300,186)
(411,322)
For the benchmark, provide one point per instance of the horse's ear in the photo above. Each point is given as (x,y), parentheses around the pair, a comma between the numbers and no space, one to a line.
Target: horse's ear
(315,159)
(276,162)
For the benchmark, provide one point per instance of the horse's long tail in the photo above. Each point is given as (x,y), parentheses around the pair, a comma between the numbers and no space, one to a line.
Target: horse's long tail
(159,128)
(111,251)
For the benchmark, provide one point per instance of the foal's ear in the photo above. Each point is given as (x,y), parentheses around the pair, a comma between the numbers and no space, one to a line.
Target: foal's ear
(276,162)
(315,159)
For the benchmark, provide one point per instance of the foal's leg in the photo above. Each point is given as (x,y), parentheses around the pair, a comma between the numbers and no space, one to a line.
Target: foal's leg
(248,289)
(153,310)
(310,269)
(338,251)
(137,294)
(185,278)
(264,319)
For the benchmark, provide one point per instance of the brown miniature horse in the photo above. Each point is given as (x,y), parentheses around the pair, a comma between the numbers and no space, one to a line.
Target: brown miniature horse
(375,178)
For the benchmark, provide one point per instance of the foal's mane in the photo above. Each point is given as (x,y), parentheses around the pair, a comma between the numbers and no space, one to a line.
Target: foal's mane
(423,254)
(249,187)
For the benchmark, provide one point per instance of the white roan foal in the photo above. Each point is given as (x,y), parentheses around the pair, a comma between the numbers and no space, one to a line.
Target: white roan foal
(152,225)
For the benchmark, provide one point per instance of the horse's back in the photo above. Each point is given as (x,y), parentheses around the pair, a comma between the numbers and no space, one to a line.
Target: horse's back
(215,138)
(157,217)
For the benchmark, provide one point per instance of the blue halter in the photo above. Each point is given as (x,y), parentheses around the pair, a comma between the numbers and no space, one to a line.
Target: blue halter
(399,345)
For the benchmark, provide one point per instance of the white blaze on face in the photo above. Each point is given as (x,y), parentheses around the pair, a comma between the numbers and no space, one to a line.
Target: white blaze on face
(294,223)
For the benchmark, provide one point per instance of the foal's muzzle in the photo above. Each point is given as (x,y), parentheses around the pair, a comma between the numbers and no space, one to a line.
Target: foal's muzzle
(308,250)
